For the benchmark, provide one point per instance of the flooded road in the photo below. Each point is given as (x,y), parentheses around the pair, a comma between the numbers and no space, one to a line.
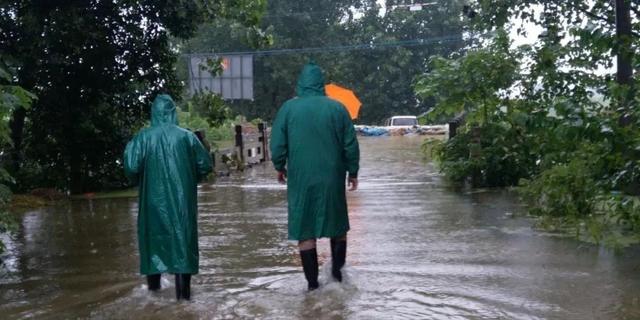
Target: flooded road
(417,250)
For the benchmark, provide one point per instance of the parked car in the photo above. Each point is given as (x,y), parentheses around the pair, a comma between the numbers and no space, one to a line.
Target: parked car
(402,122)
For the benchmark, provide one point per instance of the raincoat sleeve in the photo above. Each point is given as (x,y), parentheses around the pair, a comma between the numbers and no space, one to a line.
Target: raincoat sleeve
(133,159)
(279,140)
(202,158)
(351,147)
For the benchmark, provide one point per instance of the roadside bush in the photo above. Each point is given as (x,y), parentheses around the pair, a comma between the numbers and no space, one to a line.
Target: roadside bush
(591,187)
(625,211)
(576,167)
(494,154)
(11,97)
(208,112)
(209,106)
(563,190)
(7,220)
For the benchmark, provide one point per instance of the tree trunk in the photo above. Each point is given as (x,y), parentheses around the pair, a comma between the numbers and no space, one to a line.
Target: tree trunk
(16,126)
(624,35)
(74,145)
(624,75)
(76,174)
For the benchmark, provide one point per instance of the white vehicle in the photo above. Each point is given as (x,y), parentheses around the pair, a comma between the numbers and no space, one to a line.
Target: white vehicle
(402,122)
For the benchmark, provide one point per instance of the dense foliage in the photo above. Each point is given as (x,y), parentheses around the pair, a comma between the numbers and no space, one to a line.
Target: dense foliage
(551,117)
(11,97)
(95,66)
(208,112)
(381,74)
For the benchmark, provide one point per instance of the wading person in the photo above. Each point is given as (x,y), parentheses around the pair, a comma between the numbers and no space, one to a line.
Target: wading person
(167,162)
(313,147)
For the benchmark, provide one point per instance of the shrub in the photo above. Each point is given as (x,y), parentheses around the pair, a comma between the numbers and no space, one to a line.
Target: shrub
(563,190)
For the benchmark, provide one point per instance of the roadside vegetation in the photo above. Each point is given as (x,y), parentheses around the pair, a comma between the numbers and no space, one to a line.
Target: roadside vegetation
(12,96)
(545,117)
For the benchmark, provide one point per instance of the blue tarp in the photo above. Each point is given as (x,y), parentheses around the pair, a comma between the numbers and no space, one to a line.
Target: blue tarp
(373,131)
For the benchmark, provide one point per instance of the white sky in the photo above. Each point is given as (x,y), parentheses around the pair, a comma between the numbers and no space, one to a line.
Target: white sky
(532,31)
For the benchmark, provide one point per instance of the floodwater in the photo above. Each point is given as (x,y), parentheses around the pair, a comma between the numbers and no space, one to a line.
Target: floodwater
(418,249)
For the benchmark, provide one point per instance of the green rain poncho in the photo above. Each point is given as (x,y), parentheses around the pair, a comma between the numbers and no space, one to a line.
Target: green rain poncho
(314,139)
(167,162)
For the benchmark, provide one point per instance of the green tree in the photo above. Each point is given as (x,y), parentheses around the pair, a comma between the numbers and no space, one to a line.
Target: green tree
(578,38)
(556,126)
(385,77)
(381,75)
(480,80)
(94,65)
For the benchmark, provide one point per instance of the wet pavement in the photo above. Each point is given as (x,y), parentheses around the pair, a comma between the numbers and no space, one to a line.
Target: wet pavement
(418,249)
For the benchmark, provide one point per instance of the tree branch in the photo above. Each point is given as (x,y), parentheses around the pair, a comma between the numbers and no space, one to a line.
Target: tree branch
(597,17)
(607,20)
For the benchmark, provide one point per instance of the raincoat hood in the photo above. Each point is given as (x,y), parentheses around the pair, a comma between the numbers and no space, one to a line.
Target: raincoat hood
(311,81)
(163,111)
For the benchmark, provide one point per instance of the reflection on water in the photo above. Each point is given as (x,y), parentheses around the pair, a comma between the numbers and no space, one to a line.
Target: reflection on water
(417,249)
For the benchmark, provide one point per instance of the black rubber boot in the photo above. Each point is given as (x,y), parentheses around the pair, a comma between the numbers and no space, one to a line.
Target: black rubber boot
(153,282)
(183,286)
(310,266)
(338,256)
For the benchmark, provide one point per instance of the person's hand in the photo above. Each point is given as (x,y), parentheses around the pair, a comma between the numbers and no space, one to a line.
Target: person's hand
(353,184)
(282,177)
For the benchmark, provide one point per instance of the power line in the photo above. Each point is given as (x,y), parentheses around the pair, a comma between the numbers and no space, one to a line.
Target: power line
(381,8)
(364,46)
(413,6)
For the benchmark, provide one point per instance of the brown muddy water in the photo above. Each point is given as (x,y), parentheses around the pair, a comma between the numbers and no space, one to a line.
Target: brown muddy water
(418,249)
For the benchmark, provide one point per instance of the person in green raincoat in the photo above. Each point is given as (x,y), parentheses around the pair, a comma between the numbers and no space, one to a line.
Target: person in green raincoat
(167,162)
(313,147)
